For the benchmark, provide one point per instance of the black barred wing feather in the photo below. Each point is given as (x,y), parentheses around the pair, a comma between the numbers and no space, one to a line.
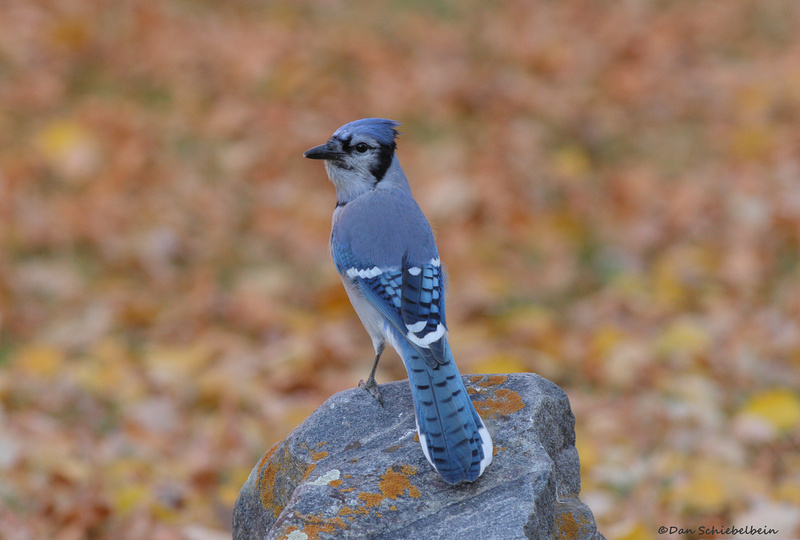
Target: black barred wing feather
(422,310)
(412,299)
(382,287)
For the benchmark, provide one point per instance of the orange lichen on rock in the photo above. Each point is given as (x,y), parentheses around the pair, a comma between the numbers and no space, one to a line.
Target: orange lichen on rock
(316,456)
(489,380)
(393,484)
(266,481)
(370,499)
(270,468)
(568,524)
(314,525)
(267,456)
(289,530)
(506,402)
(408,469)
(346,511)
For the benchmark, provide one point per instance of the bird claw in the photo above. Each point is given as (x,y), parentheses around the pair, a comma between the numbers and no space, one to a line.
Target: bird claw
(372,387)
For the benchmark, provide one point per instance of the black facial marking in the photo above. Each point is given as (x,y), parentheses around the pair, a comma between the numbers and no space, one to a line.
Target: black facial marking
(382,161)
(383,157)
(341,163)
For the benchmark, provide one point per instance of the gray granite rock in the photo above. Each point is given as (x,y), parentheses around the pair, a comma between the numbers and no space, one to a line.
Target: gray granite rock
(354,469)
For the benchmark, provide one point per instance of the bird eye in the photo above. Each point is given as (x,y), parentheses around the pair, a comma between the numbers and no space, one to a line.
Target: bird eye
(362,147)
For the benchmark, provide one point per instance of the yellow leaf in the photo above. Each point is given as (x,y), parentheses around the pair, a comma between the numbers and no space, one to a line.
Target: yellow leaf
(670,464)
(501,363)
(40,361)
(789,491)
(572,162)
(667,287)
(703,491)
(780,407)
(228,493)
(123,470)
(129,497)
(710,486)
(70,149)
(107,371)
(176,364)
(59,137)
(165,513)
(587,452)
(531,319)
(751,142)
(683,337)
(605,339)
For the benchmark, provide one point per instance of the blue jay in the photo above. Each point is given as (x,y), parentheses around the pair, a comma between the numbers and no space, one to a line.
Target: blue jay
(384,249)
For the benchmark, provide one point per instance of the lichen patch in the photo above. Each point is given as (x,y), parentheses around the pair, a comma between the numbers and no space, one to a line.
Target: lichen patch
(506,402)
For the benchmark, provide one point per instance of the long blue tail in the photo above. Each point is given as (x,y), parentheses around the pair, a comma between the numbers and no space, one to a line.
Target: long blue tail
(452,435)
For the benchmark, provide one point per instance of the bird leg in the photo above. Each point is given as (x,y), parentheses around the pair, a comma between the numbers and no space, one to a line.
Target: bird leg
(371,386)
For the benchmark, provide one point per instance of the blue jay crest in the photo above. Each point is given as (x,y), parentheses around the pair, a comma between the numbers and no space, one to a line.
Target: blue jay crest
(384,250)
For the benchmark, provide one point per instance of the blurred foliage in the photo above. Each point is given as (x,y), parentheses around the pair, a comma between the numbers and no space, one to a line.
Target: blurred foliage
(615,188)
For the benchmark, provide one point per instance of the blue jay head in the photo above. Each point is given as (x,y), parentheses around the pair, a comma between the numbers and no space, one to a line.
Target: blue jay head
(358,154)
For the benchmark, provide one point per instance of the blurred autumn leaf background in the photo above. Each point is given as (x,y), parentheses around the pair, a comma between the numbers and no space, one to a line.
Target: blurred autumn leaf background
(615,188)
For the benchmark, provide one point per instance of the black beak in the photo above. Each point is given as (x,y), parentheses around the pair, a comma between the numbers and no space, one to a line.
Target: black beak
(323,151)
